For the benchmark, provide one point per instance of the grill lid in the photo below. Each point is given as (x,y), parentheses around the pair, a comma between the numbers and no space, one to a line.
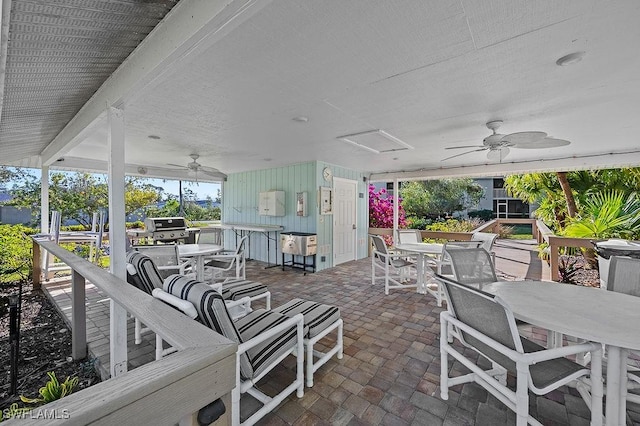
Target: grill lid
(158,224)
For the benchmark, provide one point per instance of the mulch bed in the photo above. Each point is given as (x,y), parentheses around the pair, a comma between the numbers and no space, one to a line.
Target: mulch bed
(45,345)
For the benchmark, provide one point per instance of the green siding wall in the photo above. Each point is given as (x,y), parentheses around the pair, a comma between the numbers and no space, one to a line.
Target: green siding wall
(240,205)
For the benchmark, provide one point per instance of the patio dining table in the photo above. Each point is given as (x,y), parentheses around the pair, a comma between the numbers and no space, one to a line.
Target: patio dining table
(425,251)
(199,252)
(588,313)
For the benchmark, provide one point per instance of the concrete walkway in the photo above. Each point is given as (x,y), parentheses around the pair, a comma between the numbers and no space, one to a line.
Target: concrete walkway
(390,371)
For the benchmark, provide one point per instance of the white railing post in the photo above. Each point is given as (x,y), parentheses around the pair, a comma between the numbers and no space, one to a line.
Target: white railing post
(78,317)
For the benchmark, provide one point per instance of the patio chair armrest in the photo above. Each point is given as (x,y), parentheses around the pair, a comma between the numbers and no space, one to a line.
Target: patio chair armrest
(297,320)
(563,351)
(184,306)
(244,301)
(527,358)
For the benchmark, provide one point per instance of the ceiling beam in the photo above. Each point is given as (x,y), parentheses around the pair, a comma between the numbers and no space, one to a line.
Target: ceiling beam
(189,28)
(587,162)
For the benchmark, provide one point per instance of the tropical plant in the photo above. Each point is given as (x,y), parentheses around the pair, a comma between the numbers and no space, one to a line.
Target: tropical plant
(568,270)
(547,190)
(52,390)
(609,214)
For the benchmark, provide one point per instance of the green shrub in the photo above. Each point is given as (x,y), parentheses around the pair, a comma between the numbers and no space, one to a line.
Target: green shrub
(455,225)
(418,222)
(485,215)
(15,253)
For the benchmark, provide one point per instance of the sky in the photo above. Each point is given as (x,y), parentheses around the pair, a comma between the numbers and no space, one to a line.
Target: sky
(201,189)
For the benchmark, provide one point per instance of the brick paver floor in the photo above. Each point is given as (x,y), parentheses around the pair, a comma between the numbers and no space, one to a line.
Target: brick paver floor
(390,371)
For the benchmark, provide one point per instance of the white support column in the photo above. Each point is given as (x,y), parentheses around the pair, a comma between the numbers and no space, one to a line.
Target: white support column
(117,235)
(44,200)
(396,209)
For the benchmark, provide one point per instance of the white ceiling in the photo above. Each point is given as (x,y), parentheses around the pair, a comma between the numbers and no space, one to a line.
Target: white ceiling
(430,73)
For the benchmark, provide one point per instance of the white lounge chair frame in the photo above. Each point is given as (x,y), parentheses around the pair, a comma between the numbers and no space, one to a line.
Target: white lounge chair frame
(397,270)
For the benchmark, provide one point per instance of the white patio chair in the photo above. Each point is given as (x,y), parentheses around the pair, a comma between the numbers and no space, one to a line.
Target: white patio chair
(488,240)
(228,265)
(624,277)
(443,265)
(54,235)
(97,230)
(409,236)
(166,258)
(397,270)
(210,236)
(471,266)
(264,338)
(488,327)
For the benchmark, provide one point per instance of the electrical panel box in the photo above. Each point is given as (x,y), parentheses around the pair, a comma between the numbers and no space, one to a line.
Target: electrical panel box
(271,203)
(301,203)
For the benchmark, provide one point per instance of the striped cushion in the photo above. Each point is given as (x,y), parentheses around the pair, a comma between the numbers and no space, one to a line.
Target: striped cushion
(212,311)
(147,274)
(265,353)
(237,289)
(317,317)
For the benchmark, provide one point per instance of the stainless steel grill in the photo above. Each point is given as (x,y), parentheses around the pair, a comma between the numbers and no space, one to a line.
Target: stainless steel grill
(167,229)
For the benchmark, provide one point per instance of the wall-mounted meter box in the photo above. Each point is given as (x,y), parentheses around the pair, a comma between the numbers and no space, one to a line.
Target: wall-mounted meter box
(271,203)
(301,203)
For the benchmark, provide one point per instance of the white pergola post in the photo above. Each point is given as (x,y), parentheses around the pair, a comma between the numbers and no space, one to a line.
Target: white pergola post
(44,200)
(396,209)
(117,235)
(44,209)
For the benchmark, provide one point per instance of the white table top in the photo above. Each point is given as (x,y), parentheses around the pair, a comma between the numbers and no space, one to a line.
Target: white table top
(256,227)
(188,250)
(585,312)
(428,248)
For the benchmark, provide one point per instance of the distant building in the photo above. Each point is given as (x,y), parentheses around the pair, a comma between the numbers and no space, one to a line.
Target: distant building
(495,199)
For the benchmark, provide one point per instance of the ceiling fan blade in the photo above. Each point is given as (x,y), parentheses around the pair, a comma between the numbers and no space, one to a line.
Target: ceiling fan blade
(516,139)
(498,154)
(177,165)
(465,146)
(545,143)
(464,153)
(214,173)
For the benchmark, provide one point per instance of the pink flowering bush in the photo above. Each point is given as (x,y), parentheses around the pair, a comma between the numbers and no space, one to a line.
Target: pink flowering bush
(381,211)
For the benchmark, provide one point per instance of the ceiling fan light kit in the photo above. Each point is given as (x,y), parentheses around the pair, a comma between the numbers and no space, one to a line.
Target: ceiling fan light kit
(498,144)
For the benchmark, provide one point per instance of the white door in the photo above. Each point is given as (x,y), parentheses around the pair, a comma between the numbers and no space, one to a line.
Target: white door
(344,220)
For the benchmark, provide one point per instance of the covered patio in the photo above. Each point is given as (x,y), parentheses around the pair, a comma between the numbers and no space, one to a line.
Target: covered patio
(312,97)
(390,371)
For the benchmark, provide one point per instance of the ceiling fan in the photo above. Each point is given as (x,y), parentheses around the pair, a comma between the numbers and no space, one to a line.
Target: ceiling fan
(194,168)
(498,145)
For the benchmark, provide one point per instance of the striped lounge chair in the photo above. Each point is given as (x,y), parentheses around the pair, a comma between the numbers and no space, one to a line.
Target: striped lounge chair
(265,338)
(143,273)
(319,321)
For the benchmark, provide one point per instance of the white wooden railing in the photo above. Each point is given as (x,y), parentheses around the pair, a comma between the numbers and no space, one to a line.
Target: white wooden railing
(162,392)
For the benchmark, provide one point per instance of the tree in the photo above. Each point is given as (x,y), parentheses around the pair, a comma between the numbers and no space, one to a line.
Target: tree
(78,195)
(438,198)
